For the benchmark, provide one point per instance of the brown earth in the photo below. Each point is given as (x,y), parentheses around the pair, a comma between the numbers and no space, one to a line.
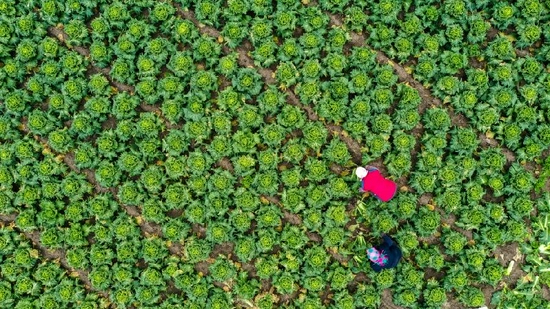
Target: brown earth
(387,301)
(58,256)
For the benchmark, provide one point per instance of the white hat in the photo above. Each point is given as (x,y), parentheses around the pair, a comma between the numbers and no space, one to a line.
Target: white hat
(361,172)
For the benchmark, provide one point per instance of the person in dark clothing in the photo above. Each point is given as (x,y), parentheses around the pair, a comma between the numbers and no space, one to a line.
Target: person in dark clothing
(386,255)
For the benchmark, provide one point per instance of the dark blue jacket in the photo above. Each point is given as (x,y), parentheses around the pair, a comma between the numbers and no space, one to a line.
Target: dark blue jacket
(393,252)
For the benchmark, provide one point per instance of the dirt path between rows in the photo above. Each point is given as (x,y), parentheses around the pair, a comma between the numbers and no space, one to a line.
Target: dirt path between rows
(53,256)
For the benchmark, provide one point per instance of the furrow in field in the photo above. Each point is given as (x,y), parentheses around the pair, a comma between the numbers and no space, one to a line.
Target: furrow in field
(246,61)
(148,228)
(54,256)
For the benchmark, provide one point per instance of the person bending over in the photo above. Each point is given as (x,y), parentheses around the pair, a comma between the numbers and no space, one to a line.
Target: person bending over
(372,181)
(386,255)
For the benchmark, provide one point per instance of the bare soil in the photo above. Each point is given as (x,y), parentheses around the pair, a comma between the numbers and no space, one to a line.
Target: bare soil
(60,34)
(291,218)
(452,303)
(507,254)
(458,120)
(202,267)
(425,198)
(338,257)
(315,237)
(176,248)
(7,219)
(387,301)
(487,291)
(174,213)
(492,34)
(58,256)
(478,64)
(225,248)
(199,230)
(226,164)
(109,124)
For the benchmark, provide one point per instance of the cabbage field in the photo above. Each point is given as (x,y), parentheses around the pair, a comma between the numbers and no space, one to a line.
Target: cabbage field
(201,153)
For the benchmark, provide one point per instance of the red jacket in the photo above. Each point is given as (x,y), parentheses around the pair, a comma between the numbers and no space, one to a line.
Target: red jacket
(381,187)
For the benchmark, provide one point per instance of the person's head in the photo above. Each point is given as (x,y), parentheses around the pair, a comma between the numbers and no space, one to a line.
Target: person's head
(361,172)
(377,257)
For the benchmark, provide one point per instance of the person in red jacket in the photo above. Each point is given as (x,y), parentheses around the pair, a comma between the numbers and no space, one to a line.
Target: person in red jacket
(372,181)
